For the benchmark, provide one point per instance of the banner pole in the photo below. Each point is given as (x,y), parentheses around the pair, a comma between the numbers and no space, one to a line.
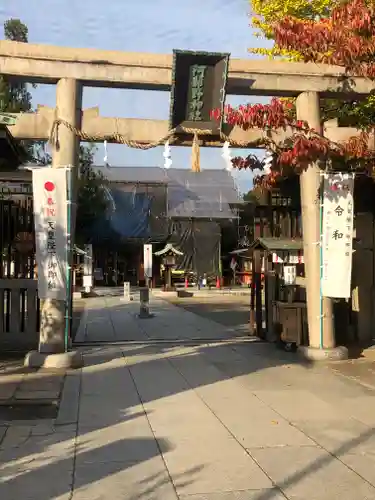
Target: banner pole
(321,201)
(68,259)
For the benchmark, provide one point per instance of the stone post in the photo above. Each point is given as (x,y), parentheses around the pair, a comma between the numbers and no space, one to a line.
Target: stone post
(308,109)
(168,276)
(144,303)
(127,291)
(51,351)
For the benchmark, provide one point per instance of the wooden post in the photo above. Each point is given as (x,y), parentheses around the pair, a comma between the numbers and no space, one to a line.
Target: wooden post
(252,297)
(258,293)
(270,297)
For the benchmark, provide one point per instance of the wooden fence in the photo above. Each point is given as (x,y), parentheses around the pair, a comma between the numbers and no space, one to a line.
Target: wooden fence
(19,314)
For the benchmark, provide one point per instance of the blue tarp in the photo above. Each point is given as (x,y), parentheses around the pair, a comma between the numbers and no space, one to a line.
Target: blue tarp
(144,200)
(206,194)
(130,219)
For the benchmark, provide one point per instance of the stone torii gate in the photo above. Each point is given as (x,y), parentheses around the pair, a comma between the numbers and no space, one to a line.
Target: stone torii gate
(71,69)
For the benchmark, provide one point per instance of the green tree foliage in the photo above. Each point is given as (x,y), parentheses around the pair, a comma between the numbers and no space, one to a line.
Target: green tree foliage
(14,96)
(91,189)
(16,31)
(267,13)
(254,196)
(92,200)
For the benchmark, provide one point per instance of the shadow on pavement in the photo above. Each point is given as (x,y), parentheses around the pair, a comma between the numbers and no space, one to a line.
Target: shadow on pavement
(230,313)
(116,388)
(52,478)
(302,473)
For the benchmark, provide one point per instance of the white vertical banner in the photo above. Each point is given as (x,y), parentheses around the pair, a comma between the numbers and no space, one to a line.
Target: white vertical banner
(147,260)
(87,266)
(290,275)
(87,260)
(337,235)
(51,226)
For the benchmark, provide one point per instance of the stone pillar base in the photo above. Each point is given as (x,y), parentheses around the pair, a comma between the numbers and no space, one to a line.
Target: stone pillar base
(145,314)
(127,299)
(316,354)
(64,360)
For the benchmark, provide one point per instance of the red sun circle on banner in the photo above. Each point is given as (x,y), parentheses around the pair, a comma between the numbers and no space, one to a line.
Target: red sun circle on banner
(49,186)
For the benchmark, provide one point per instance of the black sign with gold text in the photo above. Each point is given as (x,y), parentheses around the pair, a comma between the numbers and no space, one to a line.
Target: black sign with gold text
(198,86)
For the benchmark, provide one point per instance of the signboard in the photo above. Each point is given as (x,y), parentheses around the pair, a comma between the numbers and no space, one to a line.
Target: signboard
(279,257)
(170,260)
(13,188)
(198,86)
(51,239)
(127,290)
(87,260)
(295,257)
(290,275)
(147,260)
(337,235)
(87,281)
(290,257)
(98,274)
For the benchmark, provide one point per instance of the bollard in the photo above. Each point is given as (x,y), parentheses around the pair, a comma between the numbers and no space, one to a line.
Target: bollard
(126,290)
(87,283)
(144,305)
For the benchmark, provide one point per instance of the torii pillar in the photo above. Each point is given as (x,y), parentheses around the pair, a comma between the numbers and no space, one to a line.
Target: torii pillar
(51,352)
(321,340)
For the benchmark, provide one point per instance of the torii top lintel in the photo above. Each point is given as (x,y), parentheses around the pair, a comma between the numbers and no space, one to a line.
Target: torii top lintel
(100,68)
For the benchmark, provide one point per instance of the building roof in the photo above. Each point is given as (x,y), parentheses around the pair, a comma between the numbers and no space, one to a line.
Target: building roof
(205,194)
(274,244)
(152,175)
(169,248)
(240,252)
(145,198)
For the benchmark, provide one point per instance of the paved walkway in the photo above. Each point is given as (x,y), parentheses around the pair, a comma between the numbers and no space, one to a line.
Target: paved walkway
(228,420)
(111,319)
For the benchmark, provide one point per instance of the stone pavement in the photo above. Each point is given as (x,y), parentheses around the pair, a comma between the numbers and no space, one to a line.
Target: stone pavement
(111,319)
(22,385)
(213,420)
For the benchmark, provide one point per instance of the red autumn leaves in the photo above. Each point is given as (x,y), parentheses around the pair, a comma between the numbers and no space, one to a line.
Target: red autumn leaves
(346,39)
(301,148)
(264,116)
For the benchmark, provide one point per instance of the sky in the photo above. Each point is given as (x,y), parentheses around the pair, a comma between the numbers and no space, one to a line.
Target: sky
(157,26)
